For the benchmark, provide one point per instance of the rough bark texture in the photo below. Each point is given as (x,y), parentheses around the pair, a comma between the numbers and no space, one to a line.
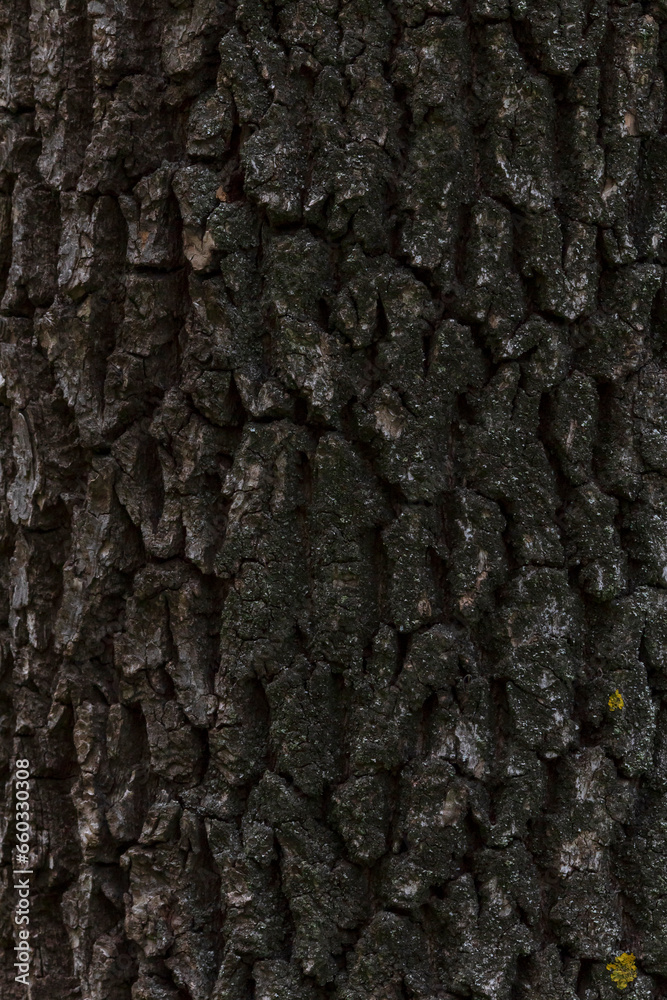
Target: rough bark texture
(334,496)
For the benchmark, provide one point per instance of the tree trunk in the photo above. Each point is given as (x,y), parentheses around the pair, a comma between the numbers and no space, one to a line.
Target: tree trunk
(334,511)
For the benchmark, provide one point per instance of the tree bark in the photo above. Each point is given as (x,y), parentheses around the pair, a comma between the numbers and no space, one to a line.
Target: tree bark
(334,501)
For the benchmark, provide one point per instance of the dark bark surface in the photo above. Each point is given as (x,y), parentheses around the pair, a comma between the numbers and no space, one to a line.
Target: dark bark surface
(334,499)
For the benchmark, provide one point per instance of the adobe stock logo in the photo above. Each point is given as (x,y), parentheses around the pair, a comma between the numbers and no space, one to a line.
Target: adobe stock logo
(22,871)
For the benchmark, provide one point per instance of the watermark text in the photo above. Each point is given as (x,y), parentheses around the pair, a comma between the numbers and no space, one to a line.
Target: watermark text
(22,871)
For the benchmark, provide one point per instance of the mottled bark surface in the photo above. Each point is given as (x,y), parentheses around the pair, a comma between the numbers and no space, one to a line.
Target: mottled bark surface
(333,434)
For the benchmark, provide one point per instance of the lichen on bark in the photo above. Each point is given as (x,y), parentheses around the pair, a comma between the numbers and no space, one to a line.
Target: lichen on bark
(333,509)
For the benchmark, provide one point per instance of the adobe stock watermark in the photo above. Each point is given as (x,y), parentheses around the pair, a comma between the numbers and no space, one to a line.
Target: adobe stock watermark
(22,871)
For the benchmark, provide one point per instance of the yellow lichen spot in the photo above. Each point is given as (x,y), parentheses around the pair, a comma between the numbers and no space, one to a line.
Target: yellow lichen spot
(615,700)
(623,968)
